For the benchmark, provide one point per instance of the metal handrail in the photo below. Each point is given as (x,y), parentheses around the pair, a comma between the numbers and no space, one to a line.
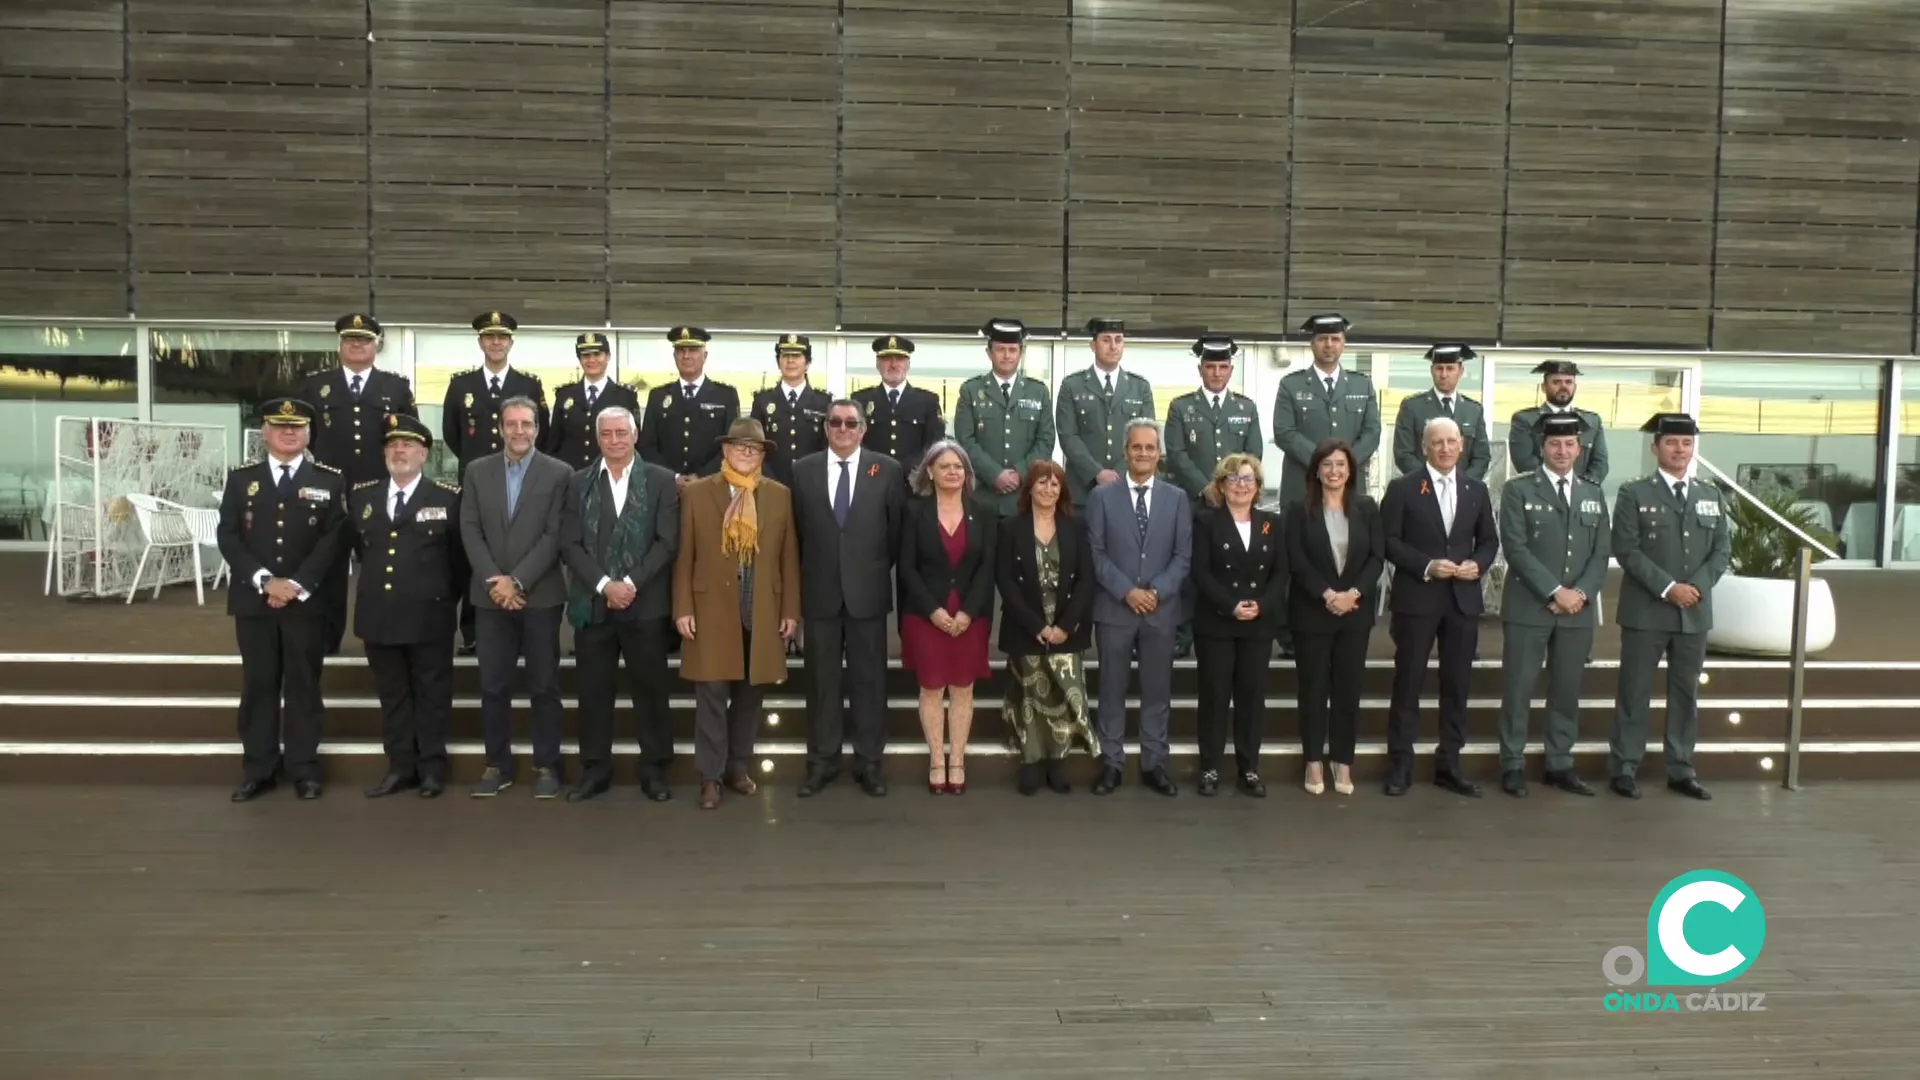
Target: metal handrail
(1762,506)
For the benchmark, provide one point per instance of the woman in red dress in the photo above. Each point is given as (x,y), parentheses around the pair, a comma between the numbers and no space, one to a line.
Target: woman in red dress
(945,576)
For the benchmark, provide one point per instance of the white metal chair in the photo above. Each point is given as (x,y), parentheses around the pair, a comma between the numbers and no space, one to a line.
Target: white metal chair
(163,525)
(204,523)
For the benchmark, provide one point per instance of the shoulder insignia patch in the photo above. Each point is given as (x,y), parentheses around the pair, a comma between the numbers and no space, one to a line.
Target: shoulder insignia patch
(442,484)
(327,467)
(365,484)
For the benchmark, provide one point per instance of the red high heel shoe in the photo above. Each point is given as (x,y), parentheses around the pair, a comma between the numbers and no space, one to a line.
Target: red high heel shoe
(957,787)
(936,787)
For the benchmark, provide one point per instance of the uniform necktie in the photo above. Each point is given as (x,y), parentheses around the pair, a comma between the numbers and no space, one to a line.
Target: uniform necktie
(593,395)
(285,485)
(689,389)
(1006,392)
(843,494)
(353,387)
(1446,405)
(1680,493)
(1563,493)
(893,397)
(1109,378)
(1140,512)
(1216,403)
(399,503)
(496,384)
(793,399)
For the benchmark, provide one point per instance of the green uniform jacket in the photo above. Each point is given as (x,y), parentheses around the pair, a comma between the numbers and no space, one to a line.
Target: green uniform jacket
(1411,425)
(1549,546)
(1093,425)
(1198,437)
(1660,542)
(998,435)
(1303,414)
(1523,445)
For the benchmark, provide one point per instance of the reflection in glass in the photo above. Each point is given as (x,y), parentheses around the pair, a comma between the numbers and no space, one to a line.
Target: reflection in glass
(1906,476)
(220,377)
(48,372)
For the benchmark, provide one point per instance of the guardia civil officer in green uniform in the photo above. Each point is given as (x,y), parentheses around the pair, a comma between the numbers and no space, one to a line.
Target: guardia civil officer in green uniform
(686,417)
(406,531)
(1555,530)
(1671,536)
(1094,409)
(793,411)
(1559,380)
(1325,401)
(576,405)
(1202,428)
(1447,363)
(902,420)
(1004,420)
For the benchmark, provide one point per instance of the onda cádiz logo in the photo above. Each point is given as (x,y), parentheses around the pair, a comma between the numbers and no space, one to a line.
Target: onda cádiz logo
(1705,929)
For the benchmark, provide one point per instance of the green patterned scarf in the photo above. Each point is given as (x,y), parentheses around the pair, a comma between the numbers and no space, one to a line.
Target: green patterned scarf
(632,533)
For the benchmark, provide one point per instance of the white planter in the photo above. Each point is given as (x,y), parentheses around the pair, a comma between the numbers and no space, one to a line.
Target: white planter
(1755,615)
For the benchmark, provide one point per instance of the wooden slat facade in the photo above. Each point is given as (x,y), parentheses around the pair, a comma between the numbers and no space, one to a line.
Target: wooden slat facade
(1733,174)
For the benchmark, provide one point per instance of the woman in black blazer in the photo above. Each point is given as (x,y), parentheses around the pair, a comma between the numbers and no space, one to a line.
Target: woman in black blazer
(1240,577)
(945,575)
(1044,567)
(1336,548)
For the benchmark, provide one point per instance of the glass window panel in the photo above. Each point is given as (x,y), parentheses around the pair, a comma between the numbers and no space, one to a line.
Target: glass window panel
(742,361)
(941,364)
(1624,395)
(220,377)
(1805,430)
(1906,476)
(439,355)
(48,372)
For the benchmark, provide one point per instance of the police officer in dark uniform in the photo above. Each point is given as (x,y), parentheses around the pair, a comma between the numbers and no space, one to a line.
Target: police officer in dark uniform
(793,411)
(686,418)
(405,530)
(470,418)
(350,403)
(280,530)
(902,420)
(576,405)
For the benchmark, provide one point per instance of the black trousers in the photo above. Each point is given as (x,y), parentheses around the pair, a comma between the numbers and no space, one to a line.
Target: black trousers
(1413,637)
(855,649)
(281,657)
(333,593)
(506,637)
(598,650)
(1330,668)
(415,684)
(1232,669)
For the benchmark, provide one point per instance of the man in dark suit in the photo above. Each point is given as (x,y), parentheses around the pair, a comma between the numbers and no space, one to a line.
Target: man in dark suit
(280,525)
(619,532)
(510,525)
(1141,533)
(687,417)
(847,506)
(1440,541)
(470,416)
(406,532)
(570,437)
(793,411)
(902,420)
(351,404)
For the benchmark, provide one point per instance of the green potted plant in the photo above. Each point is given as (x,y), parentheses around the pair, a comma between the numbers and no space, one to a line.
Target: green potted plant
(1753,603)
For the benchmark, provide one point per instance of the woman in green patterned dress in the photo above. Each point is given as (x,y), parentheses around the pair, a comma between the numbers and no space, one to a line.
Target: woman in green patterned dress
(1045,573)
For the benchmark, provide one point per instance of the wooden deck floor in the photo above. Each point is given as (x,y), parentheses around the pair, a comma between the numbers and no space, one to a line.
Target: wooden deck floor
(160,932)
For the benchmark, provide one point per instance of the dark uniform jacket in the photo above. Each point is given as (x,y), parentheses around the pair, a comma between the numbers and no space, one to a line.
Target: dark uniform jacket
(470,422)
(1410,430)
(683,437)
(901,432)
(297,536)
(1552,546)
(570,437)
(410,569)
(795,430)
(1199,437)
(1659,541)
(1227,571)
(347,432)
(1524,443)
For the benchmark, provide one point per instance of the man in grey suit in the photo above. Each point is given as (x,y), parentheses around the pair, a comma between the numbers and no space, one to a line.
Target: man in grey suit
(510,526)
(847,506)
(1141,531)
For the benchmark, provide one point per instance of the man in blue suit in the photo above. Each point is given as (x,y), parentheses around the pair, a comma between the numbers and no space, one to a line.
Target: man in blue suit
(1142,537)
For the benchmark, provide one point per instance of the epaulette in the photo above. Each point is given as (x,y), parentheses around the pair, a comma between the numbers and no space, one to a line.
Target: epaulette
(324,465)
(365,484)
(242,468)
(443,485)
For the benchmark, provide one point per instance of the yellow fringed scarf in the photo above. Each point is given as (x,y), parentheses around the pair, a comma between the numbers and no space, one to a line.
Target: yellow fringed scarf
(740,526)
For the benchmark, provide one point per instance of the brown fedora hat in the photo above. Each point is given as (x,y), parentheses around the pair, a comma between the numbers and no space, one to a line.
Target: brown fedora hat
(745,430)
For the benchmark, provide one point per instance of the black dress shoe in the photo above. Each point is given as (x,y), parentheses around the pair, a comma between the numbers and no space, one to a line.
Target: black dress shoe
(1286,650)
(1397,784)
(250,790)
(1029,782)
(655,789)
(392,783)
(1181,652)
(1514,783)
(1057,777)
(1457,784)
(1625,787)
(1569,783)
(870,782)
(468,648)
(1251,784)
(1691,788)
(306,789)
(815,783)
(1161,782)
(587,788)
(432,787)
(1209,783)
(1108,780)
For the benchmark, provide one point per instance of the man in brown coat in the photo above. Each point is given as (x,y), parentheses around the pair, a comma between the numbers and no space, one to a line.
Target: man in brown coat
(736,603)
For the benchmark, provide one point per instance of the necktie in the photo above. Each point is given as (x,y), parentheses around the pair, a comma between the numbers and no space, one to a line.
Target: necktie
(593,395)
(1444,487)
(496,384)
(1446,405)
(793,399)
(286,481)
(1006,392)
(399,504)
(893,397)
(1563,493)
(843,495)
(1140,513)
(354,387)
(1109,378)
(1216,403)
(689,389)
(1680,493)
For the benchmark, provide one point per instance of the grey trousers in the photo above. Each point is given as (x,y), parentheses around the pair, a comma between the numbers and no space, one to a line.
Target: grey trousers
(726,720)
(1640,653)
(1116,643)
(1563,649)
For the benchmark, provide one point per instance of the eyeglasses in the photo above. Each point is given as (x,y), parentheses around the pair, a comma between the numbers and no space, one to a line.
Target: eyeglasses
(1242,480)
(842,422)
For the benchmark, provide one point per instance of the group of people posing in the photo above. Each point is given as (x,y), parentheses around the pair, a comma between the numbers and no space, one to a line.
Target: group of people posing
(809,524)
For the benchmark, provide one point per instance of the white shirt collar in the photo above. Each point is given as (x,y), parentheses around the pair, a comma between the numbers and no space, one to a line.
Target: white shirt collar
(597,387)
(1133,484)
(885,389)
(1441,395)
(394,488)
(833,459)
(1323,376)
(788,389)
(1671,479)
(607,470)
(1440,477)
(1103,376)
(1008,381)
(1547,472)
(488,373)
(697,384)
(277,463)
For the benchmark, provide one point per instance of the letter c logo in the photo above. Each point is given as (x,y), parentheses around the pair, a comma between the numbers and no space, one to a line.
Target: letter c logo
(1673,928)
(1704,927)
